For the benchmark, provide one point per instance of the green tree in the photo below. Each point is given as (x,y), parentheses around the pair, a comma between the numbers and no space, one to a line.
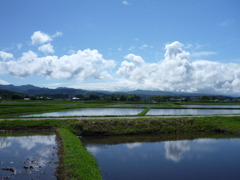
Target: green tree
(17,96)
(161,98)
(204,98)
(80,96)
(123,97)
(133,97)
(93,96)
(113,97)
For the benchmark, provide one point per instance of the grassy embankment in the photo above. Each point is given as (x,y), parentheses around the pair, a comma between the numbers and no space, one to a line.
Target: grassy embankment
(78,162)
(227,125)
(113,126)
(144,112)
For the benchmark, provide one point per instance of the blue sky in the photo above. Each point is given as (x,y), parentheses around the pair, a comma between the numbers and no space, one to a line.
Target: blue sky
(170,45)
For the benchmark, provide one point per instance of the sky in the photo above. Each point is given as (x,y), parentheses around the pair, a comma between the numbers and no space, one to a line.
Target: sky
(168,45)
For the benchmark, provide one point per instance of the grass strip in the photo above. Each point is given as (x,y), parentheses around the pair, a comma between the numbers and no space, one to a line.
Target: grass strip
(151,125)
(144,112)
(78,162)
(225,125)
(34,124)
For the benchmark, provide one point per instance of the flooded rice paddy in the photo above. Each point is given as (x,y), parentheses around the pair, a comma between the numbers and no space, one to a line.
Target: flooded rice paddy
(211,106)
(141,105)
(135,109)
(178,159)
(192,111)
(93,112)
(28,157)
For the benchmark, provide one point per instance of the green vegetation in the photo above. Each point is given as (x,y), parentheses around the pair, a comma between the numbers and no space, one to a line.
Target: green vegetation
(28,125)
(161,98)
(77,161)
(144,112)
(6,94)
(230,125)
(227,125)
(131,126)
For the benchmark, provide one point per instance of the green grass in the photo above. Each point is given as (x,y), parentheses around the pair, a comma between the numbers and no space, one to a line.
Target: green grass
(227,125)
(224,124)
(78,162)
(113,126)
(208,103)
(144,112)
(34,124)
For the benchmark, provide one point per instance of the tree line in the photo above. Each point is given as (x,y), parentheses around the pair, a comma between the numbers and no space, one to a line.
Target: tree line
(110,97)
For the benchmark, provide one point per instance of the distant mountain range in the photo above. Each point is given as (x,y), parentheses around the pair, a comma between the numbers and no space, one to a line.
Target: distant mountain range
(71,92)
(33,90)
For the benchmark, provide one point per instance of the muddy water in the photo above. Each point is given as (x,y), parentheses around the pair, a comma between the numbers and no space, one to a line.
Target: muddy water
(28,157)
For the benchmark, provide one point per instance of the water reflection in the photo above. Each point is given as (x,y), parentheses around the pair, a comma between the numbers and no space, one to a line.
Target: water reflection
(167,159)
(133,145)
(93,149)
(4,143)
(192,111)
(28,157)
(3,139)
(141,105)
(175,149)
(211,106)
(93,112)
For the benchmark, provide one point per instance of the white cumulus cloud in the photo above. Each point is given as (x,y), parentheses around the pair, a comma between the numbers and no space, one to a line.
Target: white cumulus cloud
(81,65)
(4,55)
(134,58)
(46,48)
(176,72)
(39,38)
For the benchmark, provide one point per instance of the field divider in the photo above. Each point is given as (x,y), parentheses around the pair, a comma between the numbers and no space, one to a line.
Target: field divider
(144,112)
(77,162)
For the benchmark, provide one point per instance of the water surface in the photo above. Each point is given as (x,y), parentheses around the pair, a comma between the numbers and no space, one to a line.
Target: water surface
(192,111)
(28,157)
(141,105)
(211,106)
(93,112)
(182,159)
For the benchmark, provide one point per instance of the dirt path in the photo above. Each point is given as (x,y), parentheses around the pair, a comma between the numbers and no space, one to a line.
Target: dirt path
(118,117)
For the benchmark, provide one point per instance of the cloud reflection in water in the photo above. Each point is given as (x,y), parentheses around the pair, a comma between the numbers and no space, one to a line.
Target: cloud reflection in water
(175,149)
